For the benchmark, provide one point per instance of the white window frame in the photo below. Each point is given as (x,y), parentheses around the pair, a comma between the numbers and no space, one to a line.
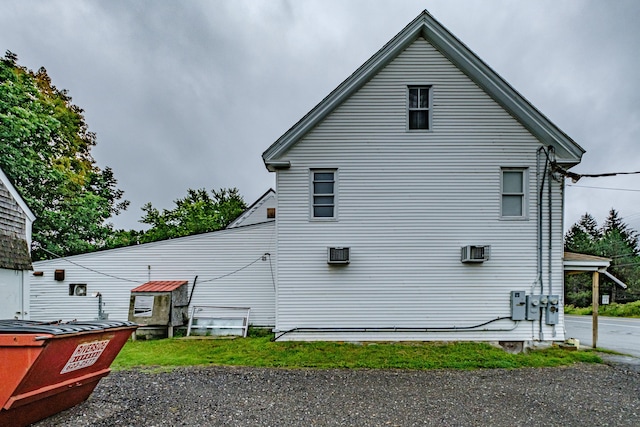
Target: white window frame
(312,194)
(524,193)
(428,109)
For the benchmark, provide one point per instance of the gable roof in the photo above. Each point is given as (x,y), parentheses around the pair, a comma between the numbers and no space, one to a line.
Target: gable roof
(270,193)
(16,196)
(568,152)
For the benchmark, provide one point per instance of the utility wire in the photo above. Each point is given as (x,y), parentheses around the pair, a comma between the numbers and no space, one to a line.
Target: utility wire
(138,281)
(235,271)
(575,177)
(604,188)
(88,268)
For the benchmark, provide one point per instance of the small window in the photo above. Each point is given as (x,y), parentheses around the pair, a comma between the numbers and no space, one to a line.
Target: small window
(271,213)
(420,107)
(513,193)
(323,194)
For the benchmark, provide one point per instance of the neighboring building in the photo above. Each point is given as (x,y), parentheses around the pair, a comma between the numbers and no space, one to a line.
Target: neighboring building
(434,178)
(16,220)
(264,209)
(230,267)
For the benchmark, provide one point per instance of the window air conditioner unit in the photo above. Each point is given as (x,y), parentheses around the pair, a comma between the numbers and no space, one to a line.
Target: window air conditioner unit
(475,253)
(338,255)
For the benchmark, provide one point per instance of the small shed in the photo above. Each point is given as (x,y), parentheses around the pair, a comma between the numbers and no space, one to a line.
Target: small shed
(158,306)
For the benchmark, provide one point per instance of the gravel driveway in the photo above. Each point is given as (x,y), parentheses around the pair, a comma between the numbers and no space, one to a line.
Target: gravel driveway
(579,395)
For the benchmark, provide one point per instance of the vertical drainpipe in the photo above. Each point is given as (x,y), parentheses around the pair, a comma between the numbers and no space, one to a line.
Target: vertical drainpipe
(550,254)
(540,178)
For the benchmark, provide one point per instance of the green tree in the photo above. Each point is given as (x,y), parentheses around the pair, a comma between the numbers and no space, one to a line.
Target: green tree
(582,236)
(198,212)
(45,149)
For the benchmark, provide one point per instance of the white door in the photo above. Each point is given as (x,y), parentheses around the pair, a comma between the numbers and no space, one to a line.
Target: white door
(13,295)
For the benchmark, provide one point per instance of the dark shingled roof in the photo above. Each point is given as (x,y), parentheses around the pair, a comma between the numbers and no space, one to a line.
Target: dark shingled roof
(14,253)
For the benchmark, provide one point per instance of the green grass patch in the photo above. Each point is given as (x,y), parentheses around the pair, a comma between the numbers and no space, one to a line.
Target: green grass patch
(262,352)
(631,309)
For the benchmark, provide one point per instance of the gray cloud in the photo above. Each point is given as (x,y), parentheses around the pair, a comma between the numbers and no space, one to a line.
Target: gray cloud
(189,94)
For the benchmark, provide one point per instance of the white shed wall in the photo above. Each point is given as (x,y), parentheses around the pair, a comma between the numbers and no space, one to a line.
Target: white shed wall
(14,289)
(228,264)
(407,202)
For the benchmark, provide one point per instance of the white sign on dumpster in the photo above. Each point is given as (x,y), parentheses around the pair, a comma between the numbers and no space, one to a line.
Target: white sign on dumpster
(143,306)
(85,355)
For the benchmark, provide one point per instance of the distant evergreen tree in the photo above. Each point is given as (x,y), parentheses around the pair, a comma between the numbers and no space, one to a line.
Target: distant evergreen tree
(614,240)
(582,236)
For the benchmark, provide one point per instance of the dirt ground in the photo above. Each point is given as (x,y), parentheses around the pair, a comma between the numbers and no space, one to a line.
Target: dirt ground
(579,395)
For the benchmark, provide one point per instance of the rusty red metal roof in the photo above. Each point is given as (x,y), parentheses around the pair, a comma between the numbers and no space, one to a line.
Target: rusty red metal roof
(160,286)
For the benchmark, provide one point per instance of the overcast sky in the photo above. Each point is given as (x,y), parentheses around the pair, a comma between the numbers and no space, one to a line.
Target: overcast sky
(188,94)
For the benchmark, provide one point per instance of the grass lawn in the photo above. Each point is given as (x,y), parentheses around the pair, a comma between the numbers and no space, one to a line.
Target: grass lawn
(631,309)
(262,352)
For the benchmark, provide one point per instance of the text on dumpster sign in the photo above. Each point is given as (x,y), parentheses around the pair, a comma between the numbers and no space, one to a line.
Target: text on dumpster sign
(85,355)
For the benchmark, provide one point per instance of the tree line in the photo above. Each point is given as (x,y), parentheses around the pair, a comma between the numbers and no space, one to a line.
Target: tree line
(45,150)
(614,240)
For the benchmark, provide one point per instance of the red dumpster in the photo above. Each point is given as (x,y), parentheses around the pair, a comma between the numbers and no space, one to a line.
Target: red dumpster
(46,368)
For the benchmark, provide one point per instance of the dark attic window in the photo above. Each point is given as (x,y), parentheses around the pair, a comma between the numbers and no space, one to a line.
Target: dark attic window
(419,107)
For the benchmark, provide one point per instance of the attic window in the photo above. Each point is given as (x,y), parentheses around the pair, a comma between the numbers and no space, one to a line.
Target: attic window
(271,213)
(419,107)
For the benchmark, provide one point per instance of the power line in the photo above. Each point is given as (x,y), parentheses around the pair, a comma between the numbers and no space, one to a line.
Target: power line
(604,188)
(576,176)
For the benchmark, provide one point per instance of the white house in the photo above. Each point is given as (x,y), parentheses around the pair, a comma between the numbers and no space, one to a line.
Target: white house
(422,199)
(432,184)
(232,268)
(16,220)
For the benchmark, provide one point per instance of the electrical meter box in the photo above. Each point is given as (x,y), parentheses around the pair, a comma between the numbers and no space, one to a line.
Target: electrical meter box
(552,311)
(518,305)
(533,307)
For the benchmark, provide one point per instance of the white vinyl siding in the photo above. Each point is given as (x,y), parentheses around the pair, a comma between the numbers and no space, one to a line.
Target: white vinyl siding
(231,268)
(408,202)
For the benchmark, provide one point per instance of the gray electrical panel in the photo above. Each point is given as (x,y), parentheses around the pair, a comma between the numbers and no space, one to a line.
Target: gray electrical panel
(552,311)
(518,305)
(533,307)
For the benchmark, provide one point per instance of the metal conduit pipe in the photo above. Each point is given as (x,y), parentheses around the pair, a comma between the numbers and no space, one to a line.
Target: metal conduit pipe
(401,329)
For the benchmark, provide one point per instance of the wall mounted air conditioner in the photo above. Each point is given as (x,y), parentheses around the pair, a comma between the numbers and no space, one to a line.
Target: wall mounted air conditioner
(337,255)
(472,253)
(78,289)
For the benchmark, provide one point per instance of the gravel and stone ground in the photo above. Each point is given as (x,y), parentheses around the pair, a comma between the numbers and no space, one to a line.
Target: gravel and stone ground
(579,395)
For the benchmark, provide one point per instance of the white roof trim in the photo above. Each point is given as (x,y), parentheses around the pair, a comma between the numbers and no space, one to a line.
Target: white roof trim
(16,196)
(585,265)
(568,152)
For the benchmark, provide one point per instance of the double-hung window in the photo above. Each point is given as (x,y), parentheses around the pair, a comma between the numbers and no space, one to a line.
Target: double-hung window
(419,107)
(514,200)
(323,200)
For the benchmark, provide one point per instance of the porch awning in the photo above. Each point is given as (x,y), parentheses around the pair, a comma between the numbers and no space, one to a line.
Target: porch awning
(577,263)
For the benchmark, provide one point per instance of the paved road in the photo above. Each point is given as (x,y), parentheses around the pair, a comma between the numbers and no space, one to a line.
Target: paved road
(614,333)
